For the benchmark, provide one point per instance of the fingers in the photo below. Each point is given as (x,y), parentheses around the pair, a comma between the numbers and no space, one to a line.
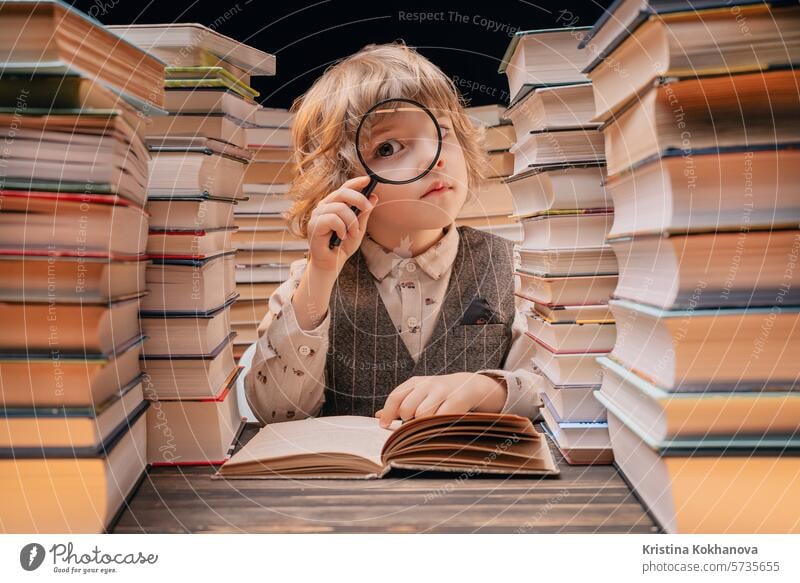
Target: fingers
(326,223)
(341,203)
(393,401)
(452,406)
(358,183)
(349,197)
(411,402)
(343,211)
(423,396)
(430,404)
(416,397)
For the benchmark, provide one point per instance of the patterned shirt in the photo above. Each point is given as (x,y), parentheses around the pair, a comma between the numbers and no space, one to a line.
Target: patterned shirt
(288,370)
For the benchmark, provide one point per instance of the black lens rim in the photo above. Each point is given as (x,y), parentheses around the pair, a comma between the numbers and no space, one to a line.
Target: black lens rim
(378,177)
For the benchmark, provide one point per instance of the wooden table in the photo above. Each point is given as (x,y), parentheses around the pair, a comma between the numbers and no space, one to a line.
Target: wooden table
(581,499)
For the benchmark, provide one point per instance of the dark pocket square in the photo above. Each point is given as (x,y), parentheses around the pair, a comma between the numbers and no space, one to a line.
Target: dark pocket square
(479,312)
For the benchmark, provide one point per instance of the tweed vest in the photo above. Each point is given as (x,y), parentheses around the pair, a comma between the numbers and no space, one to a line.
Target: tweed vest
(367,358)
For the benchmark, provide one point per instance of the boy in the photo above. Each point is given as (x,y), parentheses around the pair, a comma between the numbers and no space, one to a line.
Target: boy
(409,316)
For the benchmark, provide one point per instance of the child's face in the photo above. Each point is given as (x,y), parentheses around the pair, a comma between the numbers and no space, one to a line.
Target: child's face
(415,206)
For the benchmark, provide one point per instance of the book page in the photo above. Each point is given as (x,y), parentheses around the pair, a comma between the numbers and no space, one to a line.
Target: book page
(359,436)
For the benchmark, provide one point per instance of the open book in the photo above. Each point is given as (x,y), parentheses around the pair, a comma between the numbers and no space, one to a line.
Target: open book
(358,447)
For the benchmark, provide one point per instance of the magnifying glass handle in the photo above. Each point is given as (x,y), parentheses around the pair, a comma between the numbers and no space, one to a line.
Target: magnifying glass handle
(335,240)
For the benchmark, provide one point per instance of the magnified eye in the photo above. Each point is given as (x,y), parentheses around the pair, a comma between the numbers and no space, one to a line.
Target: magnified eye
(388,148)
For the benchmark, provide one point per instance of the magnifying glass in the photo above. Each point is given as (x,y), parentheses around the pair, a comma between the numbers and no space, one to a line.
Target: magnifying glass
(398,141)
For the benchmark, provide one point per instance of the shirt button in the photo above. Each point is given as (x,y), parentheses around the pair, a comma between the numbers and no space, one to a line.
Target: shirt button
(305,350)
(411,267)
(412,322)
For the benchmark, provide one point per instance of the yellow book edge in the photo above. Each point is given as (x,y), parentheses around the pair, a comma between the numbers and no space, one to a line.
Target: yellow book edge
(209,73)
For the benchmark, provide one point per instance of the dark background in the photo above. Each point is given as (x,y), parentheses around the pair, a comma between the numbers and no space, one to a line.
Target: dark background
(467,41)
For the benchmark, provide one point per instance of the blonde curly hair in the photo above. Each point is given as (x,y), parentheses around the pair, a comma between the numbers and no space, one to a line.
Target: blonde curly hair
(327,115)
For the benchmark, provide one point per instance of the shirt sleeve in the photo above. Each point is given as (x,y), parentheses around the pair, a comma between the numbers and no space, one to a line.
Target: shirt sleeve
(287,377)
(523,385)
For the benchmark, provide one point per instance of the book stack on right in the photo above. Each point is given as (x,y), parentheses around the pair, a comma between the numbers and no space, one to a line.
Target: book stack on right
(567,272)
(199,162)
(701,134)
(264,246)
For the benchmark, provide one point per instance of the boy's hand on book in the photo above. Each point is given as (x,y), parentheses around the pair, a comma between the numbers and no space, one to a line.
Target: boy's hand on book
(444,394)
(333,214)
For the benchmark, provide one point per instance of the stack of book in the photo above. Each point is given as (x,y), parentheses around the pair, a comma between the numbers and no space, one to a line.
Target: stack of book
(199,160)
(73,232)
(567,272)
(265,248)
(702,134)
(489,207)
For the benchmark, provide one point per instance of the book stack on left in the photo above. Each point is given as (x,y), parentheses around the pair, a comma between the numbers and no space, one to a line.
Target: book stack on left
(73,233)
(199,160)
(567,272)
(703,147)
(489,206)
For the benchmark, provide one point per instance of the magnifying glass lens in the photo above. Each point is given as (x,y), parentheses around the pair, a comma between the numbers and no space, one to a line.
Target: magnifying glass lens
(398,141)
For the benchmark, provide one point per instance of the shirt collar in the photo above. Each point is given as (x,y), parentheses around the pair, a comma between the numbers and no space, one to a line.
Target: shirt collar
(434,262)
